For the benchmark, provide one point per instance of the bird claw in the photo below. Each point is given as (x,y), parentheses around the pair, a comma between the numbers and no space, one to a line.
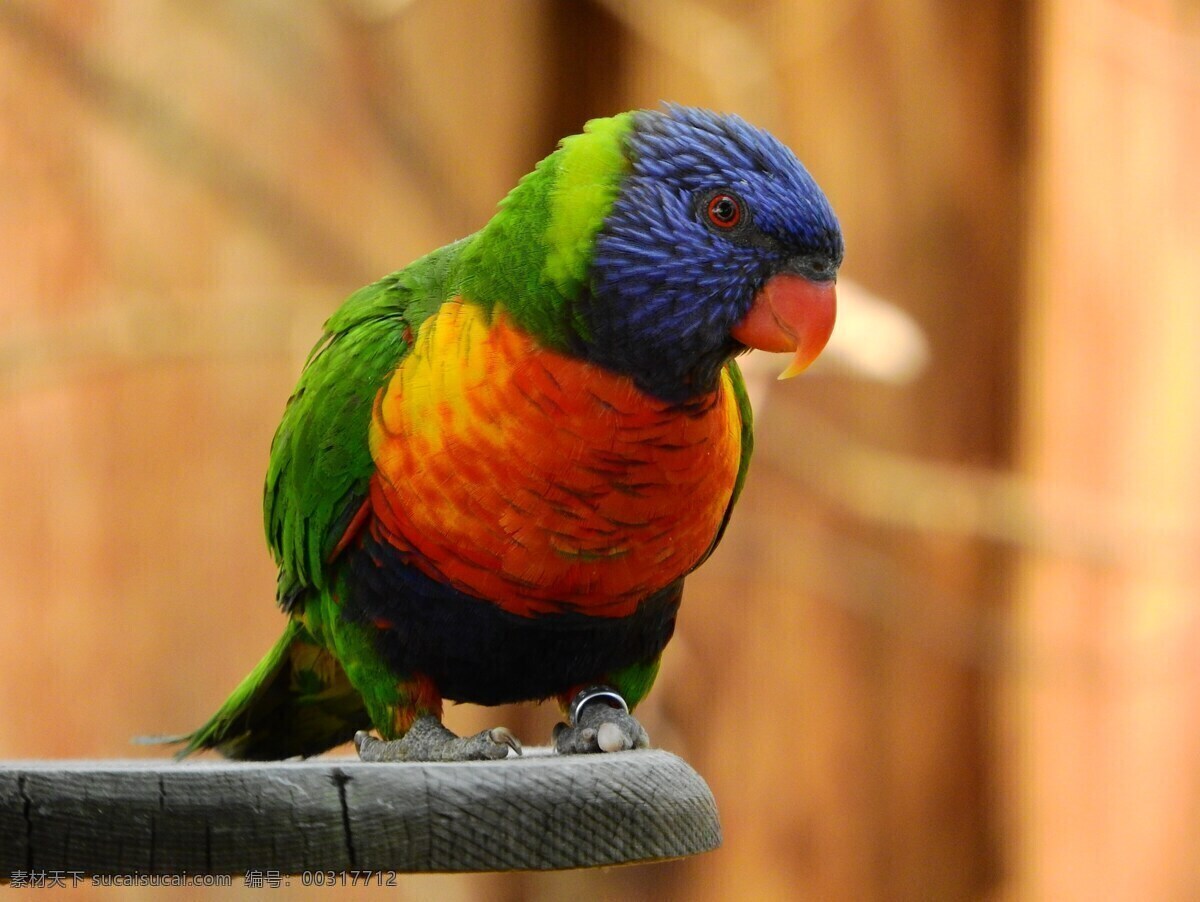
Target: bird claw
(504,736)
(428,740)
(597,725)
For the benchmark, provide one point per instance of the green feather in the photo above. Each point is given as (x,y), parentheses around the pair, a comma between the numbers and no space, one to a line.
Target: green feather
(590,167)
(297,701)
(320,463)
(746,415)
(534,254)
(634,682)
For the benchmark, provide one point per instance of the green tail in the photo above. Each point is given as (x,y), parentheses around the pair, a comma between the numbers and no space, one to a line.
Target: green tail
(297,701)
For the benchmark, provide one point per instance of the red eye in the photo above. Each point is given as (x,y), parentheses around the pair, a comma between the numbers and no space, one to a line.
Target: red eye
(724,211)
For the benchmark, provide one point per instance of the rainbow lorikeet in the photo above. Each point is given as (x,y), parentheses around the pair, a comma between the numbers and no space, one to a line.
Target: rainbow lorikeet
(500,462)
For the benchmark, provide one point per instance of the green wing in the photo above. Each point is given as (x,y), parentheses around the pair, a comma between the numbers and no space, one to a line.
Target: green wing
(320,463)
(747,417)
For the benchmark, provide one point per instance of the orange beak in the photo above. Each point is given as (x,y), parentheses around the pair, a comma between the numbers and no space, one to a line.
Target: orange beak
(790,313)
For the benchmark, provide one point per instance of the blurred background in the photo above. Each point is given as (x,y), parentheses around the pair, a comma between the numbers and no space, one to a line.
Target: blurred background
(950,647)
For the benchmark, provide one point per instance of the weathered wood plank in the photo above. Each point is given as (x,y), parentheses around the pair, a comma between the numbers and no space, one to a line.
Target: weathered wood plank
(537,812)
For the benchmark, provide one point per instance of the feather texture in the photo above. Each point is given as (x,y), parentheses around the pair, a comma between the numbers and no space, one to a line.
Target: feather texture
(529,478)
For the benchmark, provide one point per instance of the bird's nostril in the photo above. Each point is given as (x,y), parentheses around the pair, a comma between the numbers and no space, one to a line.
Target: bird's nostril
(815,266)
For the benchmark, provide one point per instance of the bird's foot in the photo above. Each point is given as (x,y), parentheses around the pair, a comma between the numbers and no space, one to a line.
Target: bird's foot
(428,740)
(598,720)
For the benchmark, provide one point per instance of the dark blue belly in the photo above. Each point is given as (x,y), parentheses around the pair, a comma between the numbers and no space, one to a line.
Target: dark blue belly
(476,652)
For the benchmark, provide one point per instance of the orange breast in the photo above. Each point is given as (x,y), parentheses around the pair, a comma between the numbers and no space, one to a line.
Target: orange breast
(540,482)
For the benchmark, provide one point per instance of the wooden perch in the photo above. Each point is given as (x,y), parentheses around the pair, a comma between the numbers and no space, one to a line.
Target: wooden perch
(337,814)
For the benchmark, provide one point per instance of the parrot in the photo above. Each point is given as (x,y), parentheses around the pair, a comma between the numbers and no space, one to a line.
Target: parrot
(501,462)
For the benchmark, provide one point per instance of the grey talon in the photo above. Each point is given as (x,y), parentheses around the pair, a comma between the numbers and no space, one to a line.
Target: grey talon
(505,736)
(428,740)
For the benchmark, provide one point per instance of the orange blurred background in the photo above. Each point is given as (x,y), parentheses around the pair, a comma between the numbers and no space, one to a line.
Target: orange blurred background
(949,648)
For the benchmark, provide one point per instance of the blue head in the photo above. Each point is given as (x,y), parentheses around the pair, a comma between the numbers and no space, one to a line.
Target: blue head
(711,211)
